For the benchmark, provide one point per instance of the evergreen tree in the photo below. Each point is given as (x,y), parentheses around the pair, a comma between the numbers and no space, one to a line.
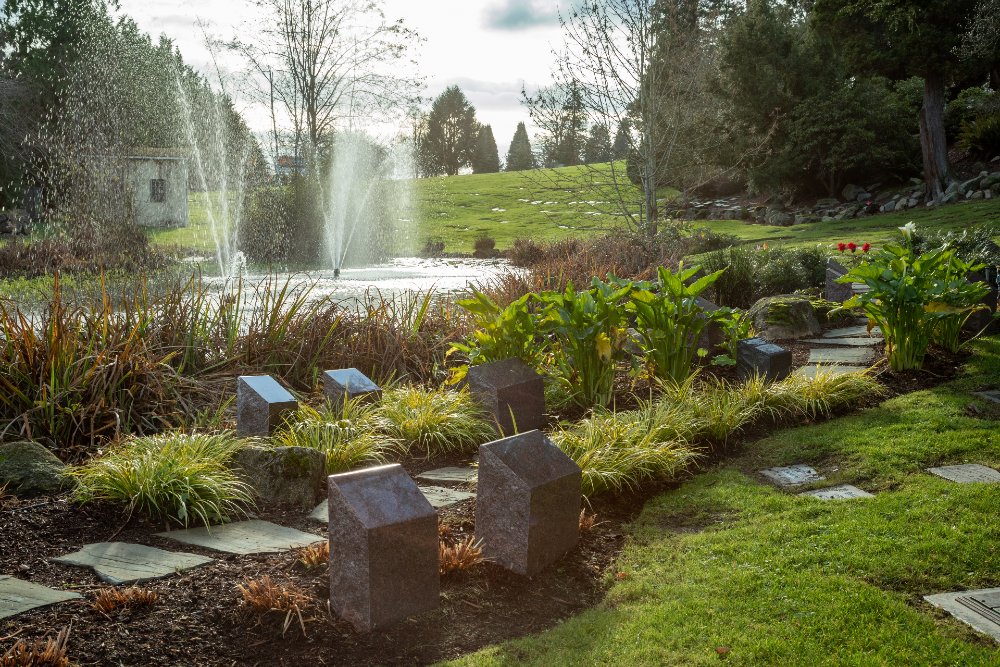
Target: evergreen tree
(452,133)
(598,147)
(486,159)
(619,150)
(519,155)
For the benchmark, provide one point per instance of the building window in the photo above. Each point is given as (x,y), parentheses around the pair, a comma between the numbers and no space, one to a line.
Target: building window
(158,190)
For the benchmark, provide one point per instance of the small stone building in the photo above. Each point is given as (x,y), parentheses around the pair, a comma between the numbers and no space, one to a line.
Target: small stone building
(158,182)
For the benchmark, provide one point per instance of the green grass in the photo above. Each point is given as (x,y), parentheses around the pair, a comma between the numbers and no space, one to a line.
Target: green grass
(728,561)
(458,209)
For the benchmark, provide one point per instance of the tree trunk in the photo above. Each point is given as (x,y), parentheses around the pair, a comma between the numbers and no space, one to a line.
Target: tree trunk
(933,142)
(995,78)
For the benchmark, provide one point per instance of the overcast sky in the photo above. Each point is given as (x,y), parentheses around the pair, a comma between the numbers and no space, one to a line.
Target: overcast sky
(487,47)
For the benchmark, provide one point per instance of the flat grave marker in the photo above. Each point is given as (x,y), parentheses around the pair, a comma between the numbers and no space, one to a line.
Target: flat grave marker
(261,404)
(245,537)
(18,596)
(794,475)
(968,473)
(124,563)
(383,547)
(980,609)
(842,492)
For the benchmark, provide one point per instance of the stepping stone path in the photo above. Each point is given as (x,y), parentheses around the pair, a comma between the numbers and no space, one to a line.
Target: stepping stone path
(841,356)
(842,492)
(458,475)
(245,537)
(844,342)
(968,473)
(853,332)
(849,350)
(980,609)
(837,369)
(123,563)
(792,475)
(438,496)
(17,596)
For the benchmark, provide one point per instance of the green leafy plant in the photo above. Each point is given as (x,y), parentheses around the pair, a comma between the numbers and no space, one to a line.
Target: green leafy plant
(620,451)
(433,421)
(348,434)
(174,476)
(670,321)
(957,300)
(736,326)
(501,333)
(908,295)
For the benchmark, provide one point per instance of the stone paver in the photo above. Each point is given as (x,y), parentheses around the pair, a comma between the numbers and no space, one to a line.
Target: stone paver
(123,563)
(245,537)
(322,512)
(980,609)
(460,475)
(792,475)
(439,496)
(989,395)
(852,332)
(848,356)
(846,342)
(810,371)
(18,596)
(968,473)
(842,492)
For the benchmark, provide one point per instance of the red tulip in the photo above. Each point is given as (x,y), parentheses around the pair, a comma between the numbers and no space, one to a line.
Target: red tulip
(866,247)
(852,246)
(841,247)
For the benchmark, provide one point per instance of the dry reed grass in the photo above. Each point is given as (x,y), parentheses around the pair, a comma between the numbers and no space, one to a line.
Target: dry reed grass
(112,599)
(48,652)
(264,596)
(459,556)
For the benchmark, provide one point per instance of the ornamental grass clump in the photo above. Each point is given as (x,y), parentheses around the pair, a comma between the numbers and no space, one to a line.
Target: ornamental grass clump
(620,451)
(433,421)
(348,434)
(910,296)
(801,396)
(718,409)
(181,478)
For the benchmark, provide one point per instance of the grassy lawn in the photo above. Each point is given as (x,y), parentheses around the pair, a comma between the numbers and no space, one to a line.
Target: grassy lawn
(728,561)
(549,204)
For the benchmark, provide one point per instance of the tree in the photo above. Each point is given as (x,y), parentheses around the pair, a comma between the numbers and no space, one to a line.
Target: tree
(623,139)
(486,159)
(559,112)
(904,38)
(598,147)
(520,156)
(329,63)
(452,133)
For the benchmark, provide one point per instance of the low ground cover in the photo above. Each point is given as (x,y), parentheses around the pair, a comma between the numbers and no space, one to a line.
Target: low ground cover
(727,566)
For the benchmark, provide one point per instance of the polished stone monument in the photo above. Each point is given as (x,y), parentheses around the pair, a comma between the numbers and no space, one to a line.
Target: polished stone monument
(349,383)
(383,547)
(755,356)
(528,502)
(261,404)
(511,392)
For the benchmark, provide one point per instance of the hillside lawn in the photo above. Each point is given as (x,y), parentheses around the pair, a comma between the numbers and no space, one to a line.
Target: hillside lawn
(550,204)
(728,566)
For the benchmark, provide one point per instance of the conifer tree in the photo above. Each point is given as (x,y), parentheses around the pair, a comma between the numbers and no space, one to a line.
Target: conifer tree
(486,159)
(598,146)
(519,155)
(452,133)
(619,150)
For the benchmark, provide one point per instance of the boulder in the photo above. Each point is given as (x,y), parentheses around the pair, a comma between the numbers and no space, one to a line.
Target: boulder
(28,469)
(784,317)
(288,476)
(779,218)
(851,192)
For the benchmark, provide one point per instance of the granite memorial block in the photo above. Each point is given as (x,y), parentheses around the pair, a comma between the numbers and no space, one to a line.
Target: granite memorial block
(839,292)
(755,356)
(511,392)
(528,502)
(261,404)
(985,319)
(383,547)
(349,383)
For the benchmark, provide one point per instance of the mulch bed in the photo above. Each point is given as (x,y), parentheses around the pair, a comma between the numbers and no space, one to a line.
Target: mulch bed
(200,618)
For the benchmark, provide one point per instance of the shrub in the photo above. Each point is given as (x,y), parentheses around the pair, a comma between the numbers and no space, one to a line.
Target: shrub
(484,245)
(620,451)
(981,136)
(346,433)
(433,421)
(174,476)
(753,273)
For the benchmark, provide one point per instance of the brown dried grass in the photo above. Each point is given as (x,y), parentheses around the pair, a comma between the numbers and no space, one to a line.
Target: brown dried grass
(315,555)
(112,599)
(460,556)
(264,596)
(48,652)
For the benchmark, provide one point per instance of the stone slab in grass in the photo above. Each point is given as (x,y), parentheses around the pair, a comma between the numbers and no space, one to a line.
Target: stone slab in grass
(837,369)
(842,492)
(851,332)
(989,395)
(845,342)
(245,537)
(124,563)
(322,512)
(792,475)
(980,609)
(458,475)
(849,356)
(18,596)
(439,496)
(968,473)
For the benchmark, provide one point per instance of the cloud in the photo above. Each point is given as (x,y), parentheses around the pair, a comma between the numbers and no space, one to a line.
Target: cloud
(521,14)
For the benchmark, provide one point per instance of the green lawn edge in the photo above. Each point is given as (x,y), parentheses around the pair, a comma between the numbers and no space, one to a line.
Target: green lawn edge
(726,563)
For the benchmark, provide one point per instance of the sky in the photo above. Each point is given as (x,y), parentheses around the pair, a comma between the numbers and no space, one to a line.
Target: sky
(489,48)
